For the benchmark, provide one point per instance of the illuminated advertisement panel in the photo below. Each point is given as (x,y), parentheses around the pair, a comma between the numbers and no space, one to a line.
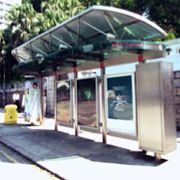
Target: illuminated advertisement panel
(64,102)
(87,102)
(121,104)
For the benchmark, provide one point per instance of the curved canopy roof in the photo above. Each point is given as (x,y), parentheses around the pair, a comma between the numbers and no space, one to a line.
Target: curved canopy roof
(92,35)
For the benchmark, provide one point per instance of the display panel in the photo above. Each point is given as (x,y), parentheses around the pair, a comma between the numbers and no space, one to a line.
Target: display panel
(64,102)
(87,102)
(121,104)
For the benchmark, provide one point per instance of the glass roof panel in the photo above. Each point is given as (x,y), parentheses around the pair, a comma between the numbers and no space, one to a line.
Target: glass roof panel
(40,47)
(91,21)
(47,39)
(94,25)
(143,31)
(63,36)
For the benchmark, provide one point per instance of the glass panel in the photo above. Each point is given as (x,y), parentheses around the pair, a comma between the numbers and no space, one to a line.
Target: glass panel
(96,19)
(39,47)
(107,22)
(67,35)
(25,54)
(120,104)
(121,19)
(63,102)
(73,28)
(143,31)
(50,42)
(120,98)
(86,102)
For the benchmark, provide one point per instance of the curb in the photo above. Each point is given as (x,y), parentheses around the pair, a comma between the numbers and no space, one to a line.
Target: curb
(30,160)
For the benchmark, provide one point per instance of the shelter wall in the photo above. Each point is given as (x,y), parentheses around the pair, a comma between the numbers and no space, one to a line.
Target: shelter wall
(177,97)
(50,96)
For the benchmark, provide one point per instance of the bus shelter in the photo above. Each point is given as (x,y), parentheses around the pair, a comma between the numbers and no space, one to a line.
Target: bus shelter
(98,37)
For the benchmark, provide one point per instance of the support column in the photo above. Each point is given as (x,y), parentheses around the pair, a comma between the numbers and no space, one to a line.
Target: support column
(140,57)
(41,101)
(55,101)
(103,110)
(75,119)
(4,84)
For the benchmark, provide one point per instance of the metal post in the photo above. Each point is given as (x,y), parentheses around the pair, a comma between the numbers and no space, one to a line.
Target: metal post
(42,101)
(55,101)
(140,58)
(103,112)
(75,102)
(4,85)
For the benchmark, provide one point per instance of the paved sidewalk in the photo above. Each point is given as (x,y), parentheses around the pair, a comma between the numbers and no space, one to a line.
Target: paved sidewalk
(80,158)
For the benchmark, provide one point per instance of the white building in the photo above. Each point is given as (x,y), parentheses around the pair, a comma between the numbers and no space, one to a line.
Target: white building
(173,53)
(5,6)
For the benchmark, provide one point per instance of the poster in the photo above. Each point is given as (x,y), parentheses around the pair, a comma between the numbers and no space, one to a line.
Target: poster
(64,102)
(121,104)
(87,102)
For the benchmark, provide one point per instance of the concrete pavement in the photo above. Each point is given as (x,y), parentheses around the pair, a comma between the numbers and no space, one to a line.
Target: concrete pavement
(85,157)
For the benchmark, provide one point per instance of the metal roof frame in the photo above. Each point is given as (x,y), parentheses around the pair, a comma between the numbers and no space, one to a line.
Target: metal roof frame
(98,33)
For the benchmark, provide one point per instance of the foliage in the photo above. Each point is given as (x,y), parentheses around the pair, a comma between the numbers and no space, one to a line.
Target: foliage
(36,4)
(166,14)
(55,12)
(22,26)
(27,21)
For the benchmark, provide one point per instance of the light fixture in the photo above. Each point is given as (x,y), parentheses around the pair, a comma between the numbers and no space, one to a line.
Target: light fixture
(39,58)
(62,46)
(110,37)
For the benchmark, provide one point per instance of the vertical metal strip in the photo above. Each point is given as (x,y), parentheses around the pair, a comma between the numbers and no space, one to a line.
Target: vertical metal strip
(4,83)
(41,100)
(103,111)
(55,101)
(75,102)
(75,88)
(31,51)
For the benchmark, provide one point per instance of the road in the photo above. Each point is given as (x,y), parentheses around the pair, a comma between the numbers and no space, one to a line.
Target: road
(15,166)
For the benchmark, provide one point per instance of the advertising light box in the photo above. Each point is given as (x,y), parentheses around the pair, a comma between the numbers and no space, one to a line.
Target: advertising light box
(121,104)
(87,102)
(64,102)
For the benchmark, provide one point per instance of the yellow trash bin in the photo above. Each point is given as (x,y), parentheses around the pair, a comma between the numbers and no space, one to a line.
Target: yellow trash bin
(10,115)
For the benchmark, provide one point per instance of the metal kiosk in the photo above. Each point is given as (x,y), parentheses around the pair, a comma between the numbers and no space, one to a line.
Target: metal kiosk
(156,122)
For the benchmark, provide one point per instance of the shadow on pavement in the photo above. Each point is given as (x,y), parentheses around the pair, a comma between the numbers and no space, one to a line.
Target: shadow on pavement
(40,145)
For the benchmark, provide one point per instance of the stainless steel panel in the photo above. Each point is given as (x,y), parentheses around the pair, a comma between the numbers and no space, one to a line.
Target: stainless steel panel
(103,109)
(169,130)
(156,123)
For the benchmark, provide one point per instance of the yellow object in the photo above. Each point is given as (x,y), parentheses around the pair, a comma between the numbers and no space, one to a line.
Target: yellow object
(10,115)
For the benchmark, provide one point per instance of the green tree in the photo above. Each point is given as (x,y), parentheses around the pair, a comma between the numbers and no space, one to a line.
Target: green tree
(36,4)
(55,11)
(166,14)
(26,22)
(23,25)
(125,4)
